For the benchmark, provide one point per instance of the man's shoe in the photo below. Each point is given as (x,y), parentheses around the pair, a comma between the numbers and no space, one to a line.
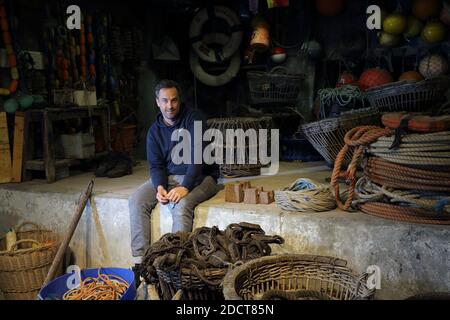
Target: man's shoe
(123,167)
(106,164)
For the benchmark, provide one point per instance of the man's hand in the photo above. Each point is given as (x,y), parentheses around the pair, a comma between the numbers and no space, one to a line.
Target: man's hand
(178,193)
(161,195)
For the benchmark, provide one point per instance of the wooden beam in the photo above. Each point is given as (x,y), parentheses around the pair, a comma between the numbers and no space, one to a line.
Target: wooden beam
(16,175)
(5,153)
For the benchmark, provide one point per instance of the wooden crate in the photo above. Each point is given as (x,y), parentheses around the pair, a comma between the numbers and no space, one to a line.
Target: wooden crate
(5,154)
(11,169)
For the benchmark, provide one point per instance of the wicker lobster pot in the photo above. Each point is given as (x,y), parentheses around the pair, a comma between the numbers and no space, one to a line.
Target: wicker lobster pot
(409,96)
(274,87)
(247,168)
(23,269)
(196,285)
(325,276)
(327,136)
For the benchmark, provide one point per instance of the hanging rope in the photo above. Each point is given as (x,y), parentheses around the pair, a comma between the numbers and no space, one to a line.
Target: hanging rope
(306,195)
(342,96)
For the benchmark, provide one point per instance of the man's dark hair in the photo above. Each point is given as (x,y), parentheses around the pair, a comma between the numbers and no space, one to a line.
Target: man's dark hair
(166,84)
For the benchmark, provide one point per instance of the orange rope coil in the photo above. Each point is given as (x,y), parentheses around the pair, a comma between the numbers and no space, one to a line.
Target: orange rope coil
(104,287)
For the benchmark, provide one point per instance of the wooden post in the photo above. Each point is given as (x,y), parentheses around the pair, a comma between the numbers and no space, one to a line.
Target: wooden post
(49,149)
(17,163)
(5,153)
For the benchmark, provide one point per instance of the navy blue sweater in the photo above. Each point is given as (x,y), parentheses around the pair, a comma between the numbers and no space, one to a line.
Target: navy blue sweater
(159,149)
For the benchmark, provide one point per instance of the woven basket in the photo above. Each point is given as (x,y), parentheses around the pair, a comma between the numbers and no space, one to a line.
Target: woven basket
(276,86)
(23,269)
(193,284)
(326,276)
(409,96)
(327,136)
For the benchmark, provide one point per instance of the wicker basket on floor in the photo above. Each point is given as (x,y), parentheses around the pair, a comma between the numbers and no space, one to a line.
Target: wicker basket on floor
(409,96)
(326,276)
(23,268)
(193,284)
(327,136)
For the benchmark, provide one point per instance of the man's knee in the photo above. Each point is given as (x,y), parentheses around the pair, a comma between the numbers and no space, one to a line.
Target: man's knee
(142,198)
(183,207)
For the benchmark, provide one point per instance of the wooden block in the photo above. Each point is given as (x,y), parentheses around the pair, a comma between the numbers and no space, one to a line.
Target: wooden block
(5,154)
(266,197)
(251,196)
(234,193)
(17,162)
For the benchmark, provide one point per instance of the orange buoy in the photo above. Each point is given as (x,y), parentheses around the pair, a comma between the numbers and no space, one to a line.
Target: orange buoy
(12,61)
(411,76)
(373,78)
(4,24)
(13,86)
(329,8)
(7,38)
(426,9)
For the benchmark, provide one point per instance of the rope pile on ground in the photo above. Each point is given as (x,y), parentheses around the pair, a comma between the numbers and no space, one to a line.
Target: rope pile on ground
(104,287)
(305,195)
(409,182)
(207,248)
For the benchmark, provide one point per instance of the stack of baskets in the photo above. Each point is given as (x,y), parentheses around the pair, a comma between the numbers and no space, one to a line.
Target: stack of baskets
(327,136)
(305,277)
(276,86)
(409,96)
(24,268)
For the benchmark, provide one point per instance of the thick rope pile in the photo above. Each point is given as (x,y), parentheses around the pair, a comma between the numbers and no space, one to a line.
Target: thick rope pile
(419,149)
(412,186)
(104,287)
(398,176)
(355,140)
(206,249)
(306,195)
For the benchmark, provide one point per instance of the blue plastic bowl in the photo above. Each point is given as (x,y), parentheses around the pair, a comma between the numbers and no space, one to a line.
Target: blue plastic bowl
(56,289)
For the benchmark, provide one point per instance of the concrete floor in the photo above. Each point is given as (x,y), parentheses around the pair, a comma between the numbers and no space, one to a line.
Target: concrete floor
(412,258)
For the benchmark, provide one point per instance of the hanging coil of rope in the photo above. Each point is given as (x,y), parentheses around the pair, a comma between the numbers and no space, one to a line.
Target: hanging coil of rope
(342,96)
(305,195)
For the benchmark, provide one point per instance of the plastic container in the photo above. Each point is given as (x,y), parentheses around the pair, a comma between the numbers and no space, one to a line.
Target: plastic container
(78,146)
(56,289)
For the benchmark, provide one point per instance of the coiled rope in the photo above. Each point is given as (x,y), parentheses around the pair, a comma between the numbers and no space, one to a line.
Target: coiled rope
(368,191)
(355,140)
(306,195)
(342,96)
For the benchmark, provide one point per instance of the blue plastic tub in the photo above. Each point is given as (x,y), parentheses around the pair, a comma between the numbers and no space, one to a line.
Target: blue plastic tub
(55,289)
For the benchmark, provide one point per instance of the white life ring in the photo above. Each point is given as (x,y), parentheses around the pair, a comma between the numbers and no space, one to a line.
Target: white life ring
(229,48)
(215,80)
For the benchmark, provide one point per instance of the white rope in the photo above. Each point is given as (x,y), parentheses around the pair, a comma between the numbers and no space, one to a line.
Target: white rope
(306,195)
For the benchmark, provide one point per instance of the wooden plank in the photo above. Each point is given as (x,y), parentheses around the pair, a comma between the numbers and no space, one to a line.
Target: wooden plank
(28,145)
(39,165)
(5,154)
(16,175)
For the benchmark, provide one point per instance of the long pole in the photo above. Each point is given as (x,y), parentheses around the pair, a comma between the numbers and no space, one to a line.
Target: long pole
(73,225)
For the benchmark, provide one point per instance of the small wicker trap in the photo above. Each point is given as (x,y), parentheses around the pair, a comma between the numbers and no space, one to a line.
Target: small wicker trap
(299,277)
(248,167)
(24,268)
(409,96)
(327,136)
(276,86)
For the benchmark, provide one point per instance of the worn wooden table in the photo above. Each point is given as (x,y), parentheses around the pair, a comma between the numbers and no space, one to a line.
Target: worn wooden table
(46,117)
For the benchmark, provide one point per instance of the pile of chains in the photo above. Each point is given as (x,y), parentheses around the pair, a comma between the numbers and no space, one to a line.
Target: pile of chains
(406,179)
(205,249)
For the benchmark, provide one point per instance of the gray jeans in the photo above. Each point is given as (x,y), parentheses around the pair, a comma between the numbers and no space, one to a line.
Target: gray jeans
(143,201)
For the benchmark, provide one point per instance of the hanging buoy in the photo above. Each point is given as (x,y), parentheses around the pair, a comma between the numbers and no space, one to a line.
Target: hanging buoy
(329,8)
(12,61)
(414,27)
(434,32)
(433,66)
(215,80)
(388,40)
(426,9)
(445,13)
(394,24)
(228,49)
(260,40)
(11,105)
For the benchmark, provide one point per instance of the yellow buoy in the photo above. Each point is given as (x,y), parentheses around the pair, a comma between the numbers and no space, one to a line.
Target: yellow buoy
(433,32)
(394,24)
